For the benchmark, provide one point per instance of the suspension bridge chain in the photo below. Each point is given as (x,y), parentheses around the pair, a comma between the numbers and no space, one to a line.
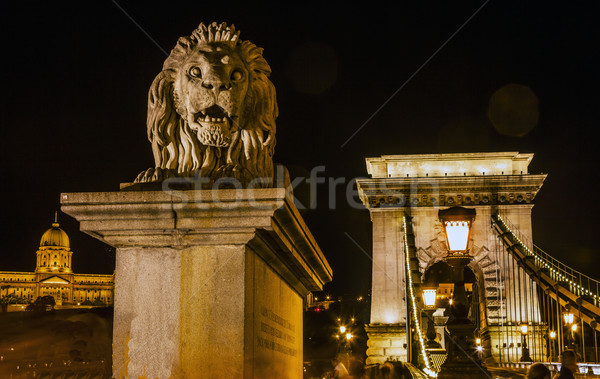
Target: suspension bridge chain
(564,284)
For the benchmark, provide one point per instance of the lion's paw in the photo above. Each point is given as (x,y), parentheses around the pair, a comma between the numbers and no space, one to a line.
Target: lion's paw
(232,171)
(154,175)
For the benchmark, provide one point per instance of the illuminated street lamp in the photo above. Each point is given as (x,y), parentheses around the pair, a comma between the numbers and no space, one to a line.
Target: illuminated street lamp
(568,318)
(429,298)
(569,322)
(525,350)
(345,348)
(462,362)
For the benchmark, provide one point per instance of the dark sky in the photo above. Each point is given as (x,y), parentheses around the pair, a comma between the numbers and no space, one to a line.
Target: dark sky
(75,79)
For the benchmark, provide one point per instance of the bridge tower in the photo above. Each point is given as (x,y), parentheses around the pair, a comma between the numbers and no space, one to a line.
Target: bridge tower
(417,187)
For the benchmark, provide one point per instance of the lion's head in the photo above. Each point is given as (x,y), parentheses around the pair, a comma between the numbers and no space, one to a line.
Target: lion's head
(212,109)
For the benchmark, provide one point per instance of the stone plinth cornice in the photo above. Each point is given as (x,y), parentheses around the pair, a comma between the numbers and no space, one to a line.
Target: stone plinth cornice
(450,190)
(181,219)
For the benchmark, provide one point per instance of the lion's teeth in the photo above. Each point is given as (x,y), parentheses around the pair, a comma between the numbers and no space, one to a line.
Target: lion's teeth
(213,119)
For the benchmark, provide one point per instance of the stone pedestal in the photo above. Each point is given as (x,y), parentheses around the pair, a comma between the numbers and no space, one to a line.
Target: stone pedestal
(462,361)
(207,283)
(387,342)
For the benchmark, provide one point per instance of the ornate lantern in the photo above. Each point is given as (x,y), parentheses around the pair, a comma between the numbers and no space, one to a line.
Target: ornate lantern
(457,222)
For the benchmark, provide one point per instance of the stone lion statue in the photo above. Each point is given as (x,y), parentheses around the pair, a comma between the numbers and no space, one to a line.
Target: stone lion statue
(212,110)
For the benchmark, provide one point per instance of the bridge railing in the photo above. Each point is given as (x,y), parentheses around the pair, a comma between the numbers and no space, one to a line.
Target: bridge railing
(576,282)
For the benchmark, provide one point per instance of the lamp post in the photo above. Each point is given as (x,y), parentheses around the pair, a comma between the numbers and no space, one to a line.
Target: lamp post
(524,349)
(429,298)
(574,328)
(463,360)
(552,336)
(345,338)
(569,318)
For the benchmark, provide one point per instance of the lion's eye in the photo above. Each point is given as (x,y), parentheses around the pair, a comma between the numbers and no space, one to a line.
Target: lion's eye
(237,75)
(195,72)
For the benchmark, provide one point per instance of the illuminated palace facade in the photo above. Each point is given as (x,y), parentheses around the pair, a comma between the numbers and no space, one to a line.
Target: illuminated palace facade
(53,275)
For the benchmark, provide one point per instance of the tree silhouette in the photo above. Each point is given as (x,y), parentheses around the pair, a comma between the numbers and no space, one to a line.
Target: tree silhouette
(9,299)
(42,304)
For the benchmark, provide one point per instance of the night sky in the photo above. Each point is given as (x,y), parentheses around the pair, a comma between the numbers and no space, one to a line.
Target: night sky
(75,79)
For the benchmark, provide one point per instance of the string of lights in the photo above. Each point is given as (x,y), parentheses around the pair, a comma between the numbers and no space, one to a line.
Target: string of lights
(541,262)
(413,302)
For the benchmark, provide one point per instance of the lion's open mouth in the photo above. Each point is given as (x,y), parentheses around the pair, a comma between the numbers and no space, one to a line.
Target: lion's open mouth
(214,115)
(213,126)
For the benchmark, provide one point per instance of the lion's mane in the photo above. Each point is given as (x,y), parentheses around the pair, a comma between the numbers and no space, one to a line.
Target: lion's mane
(175,146)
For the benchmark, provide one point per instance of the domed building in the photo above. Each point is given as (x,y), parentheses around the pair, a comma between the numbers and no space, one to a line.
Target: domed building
(53,275)
(55,252)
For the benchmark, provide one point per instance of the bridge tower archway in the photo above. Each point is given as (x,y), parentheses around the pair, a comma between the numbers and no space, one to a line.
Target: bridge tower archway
(415,188)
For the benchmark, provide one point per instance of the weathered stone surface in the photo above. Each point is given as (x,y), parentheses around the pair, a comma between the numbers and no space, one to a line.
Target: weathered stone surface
(208,283)
(212,111)
(376,351)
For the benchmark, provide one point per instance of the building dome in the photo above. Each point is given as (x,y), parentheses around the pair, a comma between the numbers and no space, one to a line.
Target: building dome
(55,236)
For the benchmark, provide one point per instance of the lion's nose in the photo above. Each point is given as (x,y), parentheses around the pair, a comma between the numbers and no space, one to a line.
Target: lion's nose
(215,84)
